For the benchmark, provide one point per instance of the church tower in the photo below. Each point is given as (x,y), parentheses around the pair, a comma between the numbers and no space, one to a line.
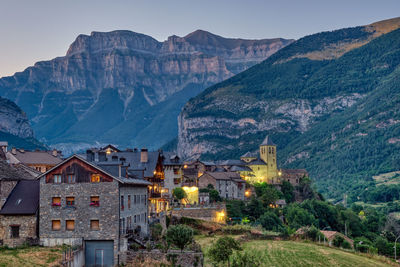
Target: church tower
(268,154)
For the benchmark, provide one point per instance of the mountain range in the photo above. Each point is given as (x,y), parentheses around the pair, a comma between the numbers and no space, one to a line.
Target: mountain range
(126,88)
(329,100)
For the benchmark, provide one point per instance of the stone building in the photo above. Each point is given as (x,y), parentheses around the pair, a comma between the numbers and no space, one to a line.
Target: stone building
(293,176)
(83,204)
(38,160)
(19,215)
(228,184)
(173,172)
(143,164)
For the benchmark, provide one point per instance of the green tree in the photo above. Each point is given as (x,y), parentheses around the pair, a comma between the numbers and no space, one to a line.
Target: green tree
(180,235)
(156,231)
(297,217)
(270,195)
(214,196)
(254,209)
(179,193)
(270,221)
(287,191)
(222,249)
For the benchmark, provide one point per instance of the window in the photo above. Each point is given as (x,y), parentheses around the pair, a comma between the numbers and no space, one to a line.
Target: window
(176,171)
(94,225)
(69,225)
(71,178)
(14,229)
(122,202)
(95,201)
(56,225)
(57,178)
(134,219)
(56,201)
(95,178)
(71,201)
(177,180)
(269,150)
(129,201)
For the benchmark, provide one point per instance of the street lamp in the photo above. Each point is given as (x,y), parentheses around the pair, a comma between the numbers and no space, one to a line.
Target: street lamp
(395,241)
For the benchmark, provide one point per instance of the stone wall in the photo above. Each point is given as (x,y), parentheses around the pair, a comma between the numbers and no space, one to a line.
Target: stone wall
(6,186)
(107,213)
(27,229)
(207,213)
(187,259)
(138,208)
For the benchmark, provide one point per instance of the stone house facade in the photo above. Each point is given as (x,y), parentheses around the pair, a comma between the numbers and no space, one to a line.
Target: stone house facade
(173,172)
(82,204)
(19,215)
(228,184)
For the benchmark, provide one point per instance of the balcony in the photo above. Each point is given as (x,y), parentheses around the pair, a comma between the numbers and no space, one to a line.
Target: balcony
(155,195)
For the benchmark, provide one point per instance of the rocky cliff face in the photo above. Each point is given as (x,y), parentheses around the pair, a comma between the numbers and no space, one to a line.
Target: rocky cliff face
(125,87)
(13,120)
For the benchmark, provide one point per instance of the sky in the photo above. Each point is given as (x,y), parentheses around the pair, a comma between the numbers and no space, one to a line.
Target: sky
(35,30)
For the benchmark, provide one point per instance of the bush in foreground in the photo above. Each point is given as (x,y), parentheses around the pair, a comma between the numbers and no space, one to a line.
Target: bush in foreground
(179,235)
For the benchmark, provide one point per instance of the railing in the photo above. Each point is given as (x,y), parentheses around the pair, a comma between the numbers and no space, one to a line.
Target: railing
(155,195)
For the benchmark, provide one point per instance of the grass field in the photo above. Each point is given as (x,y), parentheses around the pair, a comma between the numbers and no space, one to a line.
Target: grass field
(291,253)
(31,256)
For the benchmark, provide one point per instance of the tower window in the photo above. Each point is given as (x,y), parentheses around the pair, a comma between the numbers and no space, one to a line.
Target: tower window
(269,150)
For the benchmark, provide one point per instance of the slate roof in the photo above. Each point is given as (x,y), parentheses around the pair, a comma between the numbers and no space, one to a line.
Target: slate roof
(133,158)
(170,159)
(233,162)
(36,157)
(240,169)
(248,154)
(23,199)
(257,162)
(16,172)
(224,175)
(267,142)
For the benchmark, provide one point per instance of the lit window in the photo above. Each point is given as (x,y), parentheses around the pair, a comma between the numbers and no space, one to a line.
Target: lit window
(95,201)
(71,201)
(57,178)
(14,231)
(69,225)
(56,201)
(56,225)
(71,178)
(176,171)
(94,225)
(95,178)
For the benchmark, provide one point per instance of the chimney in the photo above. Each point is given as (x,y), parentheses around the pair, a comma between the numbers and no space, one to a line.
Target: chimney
(14,151)
(144,155)
(55,152)
(135,149)
(22,150)
(102,156)
(89,155)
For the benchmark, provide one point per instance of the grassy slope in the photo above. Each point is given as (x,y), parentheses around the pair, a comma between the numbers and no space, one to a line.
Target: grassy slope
(291,253)
(31,256)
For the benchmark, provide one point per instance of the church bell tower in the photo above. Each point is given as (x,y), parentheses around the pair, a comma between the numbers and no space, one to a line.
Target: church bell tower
(268,155)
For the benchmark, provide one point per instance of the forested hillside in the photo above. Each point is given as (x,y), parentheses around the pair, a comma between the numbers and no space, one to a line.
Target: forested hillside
(335,116)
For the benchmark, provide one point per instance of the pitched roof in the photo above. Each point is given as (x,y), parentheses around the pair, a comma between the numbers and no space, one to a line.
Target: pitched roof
(171,158)
(240,169)
(23,199)
(16,172)
(224,175)
(267,142)
(36,157)
(101,169)
(133,158)
(248,154)
(257,162)
(233,162)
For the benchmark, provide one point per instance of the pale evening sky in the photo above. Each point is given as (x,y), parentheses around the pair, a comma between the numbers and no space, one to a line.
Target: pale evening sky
(34,30)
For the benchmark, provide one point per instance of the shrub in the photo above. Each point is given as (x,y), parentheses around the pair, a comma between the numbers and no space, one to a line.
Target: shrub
(222,249)
(313,233)
(337,241)
(134,246)
(180,235)
(270,221)
(346,244)
(156,231)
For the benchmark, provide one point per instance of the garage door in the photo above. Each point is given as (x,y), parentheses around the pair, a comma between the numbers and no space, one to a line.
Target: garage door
(99,253)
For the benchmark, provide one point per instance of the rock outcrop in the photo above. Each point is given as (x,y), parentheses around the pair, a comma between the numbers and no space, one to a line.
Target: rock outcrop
(13,120)
(125,87)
